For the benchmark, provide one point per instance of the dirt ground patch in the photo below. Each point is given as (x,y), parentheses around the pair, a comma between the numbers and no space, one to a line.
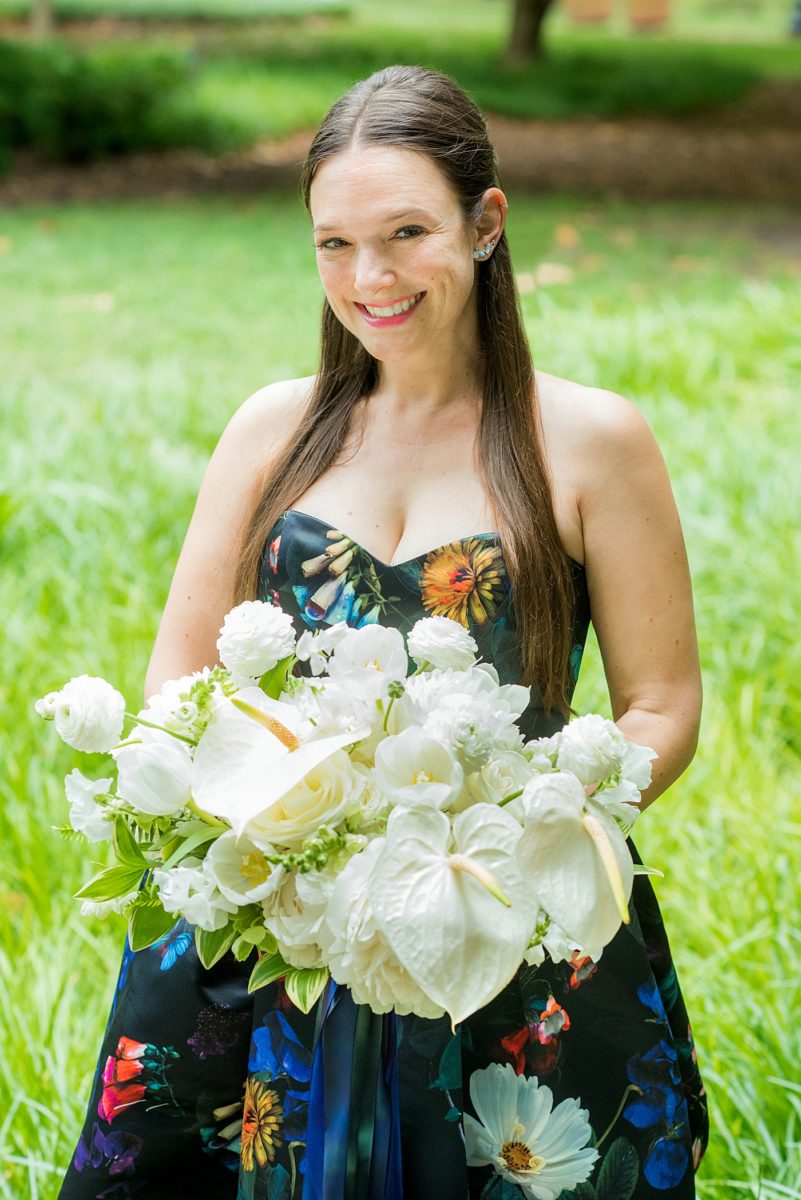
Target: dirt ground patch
(749,151)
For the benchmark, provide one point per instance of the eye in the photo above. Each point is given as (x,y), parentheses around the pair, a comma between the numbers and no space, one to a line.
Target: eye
(329,244)
(409,231)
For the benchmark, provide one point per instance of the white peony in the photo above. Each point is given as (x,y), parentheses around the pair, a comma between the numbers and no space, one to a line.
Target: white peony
(86,815)
(474,727)
(89,713)
(366,660)
(412,768)
(326,795)
(357,953)
(294,913)
(240,869)
(442,643)
(154,775)
(592,747)
(254,637)
(190,891)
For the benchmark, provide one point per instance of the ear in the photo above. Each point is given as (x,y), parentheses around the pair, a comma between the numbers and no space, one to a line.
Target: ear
(490,224)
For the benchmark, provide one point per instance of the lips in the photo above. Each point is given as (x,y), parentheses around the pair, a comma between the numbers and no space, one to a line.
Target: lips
(394,318)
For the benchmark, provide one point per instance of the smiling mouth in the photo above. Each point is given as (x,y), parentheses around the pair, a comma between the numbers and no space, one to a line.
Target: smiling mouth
(397,308)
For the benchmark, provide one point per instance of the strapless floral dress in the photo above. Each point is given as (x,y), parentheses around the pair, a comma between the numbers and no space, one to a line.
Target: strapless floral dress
(204,1091)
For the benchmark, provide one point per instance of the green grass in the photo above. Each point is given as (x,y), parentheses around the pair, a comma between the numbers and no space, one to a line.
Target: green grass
(147,327)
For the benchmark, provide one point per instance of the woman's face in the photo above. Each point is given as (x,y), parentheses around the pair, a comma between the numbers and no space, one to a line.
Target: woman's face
(390,234)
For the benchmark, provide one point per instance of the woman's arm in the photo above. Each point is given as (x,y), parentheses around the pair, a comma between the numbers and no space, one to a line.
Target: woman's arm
(639,584)
(202,589)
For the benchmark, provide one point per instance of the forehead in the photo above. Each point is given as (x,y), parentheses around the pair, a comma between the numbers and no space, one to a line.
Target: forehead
(376,183)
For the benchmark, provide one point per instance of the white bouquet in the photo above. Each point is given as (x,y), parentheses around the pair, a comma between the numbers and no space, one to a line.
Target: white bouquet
(379,820)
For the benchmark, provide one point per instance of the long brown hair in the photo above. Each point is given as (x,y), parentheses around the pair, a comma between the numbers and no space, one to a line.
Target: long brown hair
(423,110)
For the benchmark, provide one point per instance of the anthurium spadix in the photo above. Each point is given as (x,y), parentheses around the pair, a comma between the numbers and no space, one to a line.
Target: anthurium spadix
(453,906)
(573,851)
(249,757)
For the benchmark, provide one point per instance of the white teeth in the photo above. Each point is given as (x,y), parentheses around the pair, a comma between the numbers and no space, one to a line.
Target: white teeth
(394,309)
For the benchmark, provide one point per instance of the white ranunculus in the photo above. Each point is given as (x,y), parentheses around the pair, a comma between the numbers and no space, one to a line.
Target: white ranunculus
(366,660)
(240,870)
(474,727)
(506,773)
(412,768)
(189,890)
(442,643)
(155,775)
(295,912)
(86,815)
(357,953)
(592,747)
(574,850)
(165,707)
(89,713)
(326,795)
(315,645)
(254,637)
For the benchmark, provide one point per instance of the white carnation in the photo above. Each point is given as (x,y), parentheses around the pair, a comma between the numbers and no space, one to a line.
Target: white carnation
(358,955)
(89,713)
(442,643)
(254,637)
(592,748)
(190,891)
(86,815)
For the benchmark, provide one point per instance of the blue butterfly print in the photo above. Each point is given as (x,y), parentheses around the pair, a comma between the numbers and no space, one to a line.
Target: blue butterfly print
(173,945)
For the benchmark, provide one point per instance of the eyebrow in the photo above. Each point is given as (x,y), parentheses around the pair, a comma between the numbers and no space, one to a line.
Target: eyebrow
(396,216)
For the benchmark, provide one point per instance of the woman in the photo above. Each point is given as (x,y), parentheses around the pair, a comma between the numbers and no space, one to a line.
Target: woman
(426,469)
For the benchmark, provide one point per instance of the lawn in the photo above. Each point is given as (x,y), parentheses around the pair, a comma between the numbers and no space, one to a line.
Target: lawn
(130,335)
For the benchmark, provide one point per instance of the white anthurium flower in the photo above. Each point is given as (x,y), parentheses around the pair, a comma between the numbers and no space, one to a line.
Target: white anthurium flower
(254,637)
(453,908)
(240,869)
(86,815)
(530,1143)
(442,642)
(366,660)
(579,858)
(358,954)
(294,914)
(592,747)
(506,773)
(249,758)
(412,768)
(154,775)
(89,713)
(190,891)
(326,795)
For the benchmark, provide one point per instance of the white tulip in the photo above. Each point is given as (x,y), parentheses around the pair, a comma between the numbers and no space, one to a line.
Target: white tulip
(366,660)
(154,776)
(254,637)
(86,815)
(412,768)
(240,870)
(89,713)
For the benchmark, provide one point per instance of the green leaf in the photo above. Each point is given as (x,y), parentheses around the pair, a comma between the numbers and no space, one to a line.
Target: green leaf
(111,883)
(267,970)
(241,950)
(148,922)
(126,847)
(619,1172)
(641,869)
(211,946)
(304,987)
(198,838)
(272,682)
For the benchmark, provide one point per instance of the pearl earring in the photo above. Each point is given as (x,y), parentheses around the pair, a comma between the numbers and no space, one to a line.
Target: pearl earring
(483,253)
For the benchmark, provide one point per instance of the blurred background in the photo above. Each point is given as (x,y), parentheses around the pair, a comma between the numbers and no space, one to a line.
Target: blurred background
(156,267)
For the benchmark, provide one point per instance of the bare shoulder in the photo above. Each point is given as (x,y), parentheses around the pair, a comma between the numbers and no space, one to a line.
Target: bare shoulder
(264,423)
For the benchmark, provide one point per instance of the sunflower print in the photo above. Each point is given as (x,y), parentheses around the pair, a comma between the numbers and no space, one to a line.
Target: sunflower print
(465,581)
(260,1125)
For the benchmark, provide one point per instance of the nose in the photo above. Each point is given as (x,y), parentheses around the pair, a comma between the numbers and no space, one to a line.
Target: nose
(371,271)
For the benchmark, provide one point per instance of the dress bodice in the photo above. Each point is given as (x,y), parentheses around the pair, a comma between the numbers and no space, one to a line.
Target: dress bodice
(320,575)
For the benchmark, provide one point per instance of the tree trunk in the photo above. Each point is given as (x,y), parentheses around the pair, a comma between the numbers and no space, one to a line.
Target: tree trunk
(41,22)
(525,41)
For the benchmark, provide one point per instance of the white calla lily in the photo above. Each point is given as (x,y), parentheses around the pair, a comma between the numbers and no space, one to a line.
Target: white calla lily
(242,766)
(574,850)
(454,909)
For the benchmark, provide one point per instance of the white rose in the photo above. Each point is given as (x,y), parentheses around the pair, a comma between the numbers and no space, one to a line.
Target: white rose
(254,637)
(592,748)
(190,891)
(357,954)
(503,775)
(366,660)
(240,870)
(325,796)
(442,643)
(89,713)
(86,815)
(412,768)
(294,914)
(154,776)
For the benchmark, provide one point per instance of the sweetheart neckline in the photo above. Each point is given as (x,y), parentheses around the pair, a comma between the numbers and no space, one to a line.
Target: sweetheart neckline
(406,561)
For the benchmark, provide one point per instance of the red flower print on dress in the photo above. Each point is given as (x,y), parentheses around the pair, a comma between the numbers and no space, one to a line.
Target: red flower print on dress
(536,1045)
(135,1071)
(583,969)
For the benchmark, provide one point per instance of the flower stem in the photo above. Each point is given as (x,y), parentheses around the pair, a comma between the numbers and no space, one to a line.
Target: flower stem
(631,1088)
(152,725)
